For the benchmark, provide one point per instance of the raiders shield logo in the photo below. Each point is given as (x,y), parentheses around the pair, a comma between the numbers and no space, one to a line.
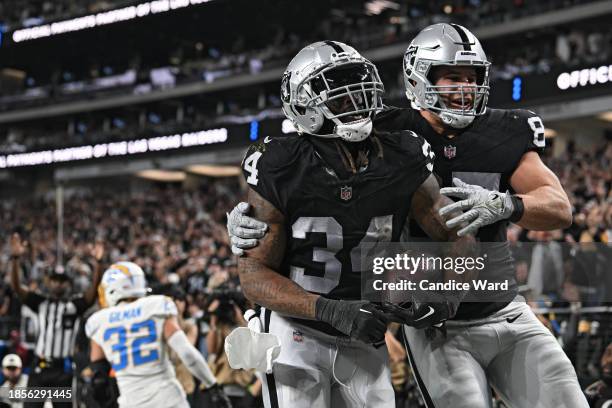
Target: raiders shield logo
(450,151)
(346,193)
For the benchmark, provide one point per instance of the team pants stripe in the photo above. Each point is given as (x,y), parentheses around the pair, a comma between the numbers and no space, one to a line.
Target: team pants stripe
(426,397)
(270,377)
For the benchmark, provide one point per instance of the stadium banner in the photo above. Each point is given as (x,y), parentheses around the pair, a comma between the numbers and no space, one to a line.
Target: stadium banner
(234,135)
(558,84)
(485,271)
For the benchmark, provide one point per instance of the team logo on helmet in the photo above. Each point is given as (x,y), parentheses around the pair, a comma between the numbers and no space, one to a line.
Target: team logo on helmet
(285,88)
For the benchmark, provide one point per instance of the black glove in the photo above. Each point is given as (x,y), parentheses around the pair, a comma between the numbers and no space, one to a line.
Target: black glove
(218,397)
(357,319)
(100,381)
(419,315)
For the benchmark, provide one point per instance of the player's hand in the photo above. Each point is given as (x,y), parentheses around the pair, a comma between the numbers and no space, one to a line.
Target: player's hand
(421,315)
(484,207)
(18,247)
(218,397)
(244,231)
(358,319)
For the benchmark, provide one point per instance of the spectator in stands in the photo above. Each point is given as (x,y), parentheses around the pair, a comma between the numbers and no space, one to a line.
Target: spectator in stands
(599,394)
(11,370)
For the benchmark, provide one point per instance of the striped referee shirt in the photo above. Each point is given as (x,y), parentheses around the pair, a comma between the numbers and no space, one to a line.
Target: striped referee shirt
(58,322)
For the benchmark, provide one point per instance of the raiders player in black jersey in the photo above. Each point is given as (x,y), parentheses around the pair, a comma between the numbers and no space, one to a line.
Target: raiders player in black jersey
(324,194)
(481,155)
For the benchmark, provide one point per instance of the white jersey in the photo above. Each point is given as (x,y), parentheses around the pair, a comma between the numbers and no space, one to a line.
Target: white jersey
(131,335)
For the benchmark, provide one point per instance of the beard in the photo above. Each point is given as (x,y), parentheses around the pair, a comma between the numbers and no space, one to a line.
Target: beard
(607,379)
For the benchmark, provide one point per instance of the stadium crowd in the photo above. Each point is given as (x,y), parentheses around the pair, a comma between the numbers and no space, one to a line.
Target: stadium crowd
(197,59)
(178,236)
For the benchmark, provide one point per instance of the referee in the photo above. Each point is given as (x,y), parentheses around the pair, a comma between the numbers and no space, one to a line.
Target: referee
(59,315)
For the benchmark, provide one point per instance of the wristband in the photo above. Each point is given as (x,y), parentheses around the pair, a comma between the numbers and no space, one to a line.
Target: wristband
(518,210)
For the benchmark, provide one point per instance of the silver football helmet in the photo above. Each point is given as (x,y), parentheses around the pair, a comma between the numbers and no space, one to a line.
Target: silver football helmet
(330,90)
(450,45)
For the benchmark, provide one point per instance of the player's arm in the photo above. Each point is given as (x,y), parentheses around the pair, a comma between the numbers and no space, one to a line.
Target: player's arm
(426,203)
(189,355)
(545,203)
(100,367)
(193,360)
(17,250)
(262,284)
(259,279)
(91,292)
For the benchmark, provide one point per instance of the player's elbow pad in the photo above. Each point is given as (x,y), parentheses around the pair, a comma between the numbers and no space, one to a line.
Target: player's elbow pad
(192,359)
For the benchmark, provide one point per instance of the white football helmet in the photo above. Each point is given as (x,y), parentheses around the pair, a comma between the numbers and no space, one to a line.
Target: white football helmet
(330,90)
(121,280)
(446,44)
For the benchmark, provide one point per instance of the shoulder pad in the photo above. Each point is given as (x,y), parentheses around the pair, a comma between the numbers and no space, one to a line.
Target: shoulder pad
(158,305)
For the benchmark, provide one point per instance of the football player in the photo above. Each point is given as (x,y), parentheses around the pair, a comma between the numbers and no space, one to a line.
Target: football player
(132,334)
(320,195)
(489,159)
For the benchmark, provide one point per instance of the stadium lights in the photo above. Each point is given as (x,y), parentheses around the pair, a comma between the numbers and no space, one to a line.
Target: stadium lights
(214,171)
(162,175)
(100,19)
(154,144)
(607,116)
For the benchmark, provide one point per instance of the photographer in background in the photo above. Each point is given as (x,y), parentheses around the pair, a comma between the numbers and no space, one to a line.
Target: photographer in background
(226,309)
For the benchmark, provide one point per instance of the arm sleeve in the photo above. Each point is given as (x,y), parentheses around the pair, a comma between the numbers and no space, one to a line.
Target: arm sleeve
(33,300)
(192,359)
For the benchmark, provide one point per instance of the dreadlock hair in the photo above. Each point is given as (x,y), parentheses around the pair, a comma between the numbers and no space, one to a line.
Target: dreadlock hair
(350,163)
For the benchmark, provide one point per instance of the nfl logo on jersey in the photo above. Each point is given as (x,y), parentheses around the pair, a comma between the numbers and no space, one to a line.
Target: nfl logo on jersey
(450,151)
(346,193)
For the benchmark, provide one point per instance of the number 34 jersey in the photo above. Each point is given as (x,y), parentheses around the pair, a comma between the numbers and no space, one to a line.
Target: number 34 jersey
(131,335)
(328,216)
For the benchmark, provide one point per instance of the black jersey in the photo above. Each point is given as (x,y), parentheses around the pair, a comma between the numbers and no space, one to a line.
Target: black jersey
(328,215)
(486,153)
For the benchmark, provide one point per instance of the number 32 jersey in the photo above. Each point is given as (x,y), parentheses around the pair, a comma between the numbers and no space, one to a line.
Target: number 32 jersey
(131,335)
(329,215)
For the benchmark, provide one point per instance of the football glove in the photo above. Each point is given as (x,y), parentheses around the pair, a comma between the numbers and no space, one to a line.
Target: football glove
(218,397)
(358,319)
(485,207)
(421,315)
(244,231)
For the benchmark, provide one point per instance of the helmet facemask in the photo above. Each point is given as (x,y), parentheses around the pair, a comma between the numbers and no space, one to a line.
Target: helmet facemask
(344,95)
(446,45)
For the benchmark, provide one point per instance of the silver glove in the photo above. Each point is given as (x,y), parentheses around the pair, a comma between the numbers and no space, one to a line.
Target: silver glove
(485,207)
(244,231)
